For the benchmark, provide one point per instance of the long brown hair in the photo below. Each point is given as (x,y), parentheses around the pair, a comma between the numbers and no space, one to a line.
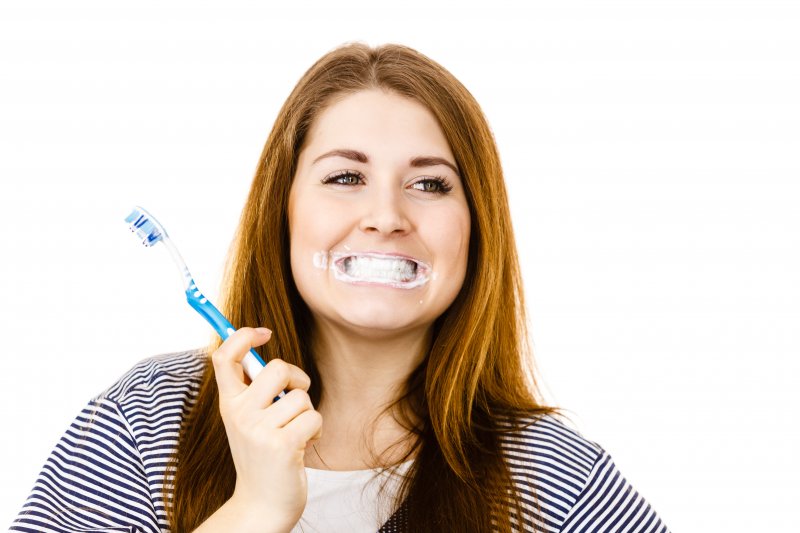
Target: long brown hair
(476,375)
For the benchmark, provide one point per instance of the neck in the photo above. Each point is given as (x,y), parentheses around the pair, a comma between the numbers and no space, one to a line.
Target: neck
(359,371)
(362,376)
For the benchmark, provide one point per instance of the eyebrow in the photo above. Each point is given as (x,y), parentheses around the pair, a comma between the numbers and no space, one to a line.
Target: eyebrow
(416,162)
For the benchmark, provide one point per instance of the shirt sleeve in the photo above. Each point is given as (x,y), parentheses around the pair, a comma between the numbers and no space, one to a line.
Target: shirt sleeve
(608,503)
(94,480)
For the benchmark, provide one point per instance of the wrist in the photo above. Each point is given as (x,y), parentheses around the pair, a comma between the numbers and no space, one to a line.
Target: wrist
(245,517)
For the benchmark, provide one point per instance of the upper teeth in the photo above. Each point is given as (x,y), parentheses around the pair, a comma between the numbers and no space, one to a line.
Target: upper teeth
(394,269)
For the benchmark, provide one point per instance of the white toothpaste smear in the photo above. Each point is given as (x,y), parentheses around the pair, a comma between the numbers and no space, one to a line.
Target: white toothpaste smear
(321,260)
(374,268)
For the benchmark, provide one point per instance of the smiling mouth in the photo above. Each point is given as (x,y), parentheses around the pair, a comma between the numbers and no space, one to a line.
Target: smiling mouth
(379,269)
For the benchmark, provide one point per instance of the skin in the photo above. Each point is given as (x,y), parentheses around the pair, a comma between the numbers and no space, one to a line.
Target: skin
(367,338)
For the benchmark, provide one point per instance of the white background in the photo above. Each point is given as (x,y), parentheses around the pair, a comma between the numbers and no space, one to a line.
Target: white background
(651,150)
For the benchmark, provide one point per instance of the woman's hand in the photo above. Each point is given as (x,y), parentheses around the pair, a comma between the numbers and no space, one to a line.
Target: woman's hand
(267,440)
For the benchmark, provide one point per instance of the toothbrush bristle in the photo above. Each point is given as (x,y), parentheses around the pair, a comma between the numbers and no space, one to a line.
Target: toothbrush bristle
(145,226)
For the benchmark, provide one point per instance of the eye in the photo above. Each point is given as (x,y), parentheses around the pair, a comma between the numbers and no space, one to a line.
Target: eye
(344,177)
(434,184)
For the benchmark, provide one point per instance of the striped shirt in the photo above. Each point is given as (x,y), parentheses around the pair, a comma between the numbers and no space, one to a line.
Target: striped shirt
(108,470)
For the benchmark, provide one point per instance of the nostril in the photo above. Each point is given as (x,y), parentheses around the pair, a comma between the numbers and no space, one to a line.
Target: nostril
(385,219)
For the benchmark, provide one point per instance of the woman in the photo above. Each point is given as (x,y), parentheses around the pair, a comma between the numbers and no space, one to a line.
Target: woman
(376,244)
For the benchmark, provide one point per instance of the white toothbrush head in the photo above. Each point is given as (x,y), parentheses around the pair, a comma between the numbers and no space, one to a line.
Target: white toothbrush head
(145,226)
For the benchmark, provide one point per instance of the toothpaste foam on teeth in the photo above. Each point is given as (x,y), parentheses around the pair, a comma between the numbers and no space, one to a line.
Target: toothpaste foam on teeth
(389,270)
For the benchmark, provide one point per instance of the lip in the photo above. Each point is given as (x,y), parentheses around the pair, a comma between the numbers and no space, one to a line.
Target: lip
(336,265)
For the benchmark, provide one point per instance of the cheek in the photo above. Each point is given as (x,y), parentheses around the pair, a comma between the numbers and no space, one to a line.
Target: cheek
(304,243)
(301,235)
(306,240)
(450,234)
(314,226)
(307,222)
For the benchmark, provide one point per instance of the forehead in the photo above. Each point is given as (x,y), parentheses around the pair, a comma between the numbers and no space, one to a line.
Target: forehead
(378,122)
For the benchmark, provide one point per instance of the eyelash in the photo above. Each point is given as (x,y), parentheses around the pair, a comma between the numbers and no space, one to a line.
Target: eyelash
(444,185)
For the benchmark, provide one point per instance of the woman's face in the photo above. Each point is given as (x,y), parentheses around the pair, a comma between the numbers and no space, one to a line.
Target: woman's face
(378,219)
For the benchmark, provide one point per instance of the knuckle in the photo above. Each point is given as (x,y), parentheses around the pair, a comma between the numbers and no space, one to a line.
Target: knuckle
(316,419)
(277,363)
(305,398)
(294,441)
(279,369)
(244,332)
(219,356)
(300,398)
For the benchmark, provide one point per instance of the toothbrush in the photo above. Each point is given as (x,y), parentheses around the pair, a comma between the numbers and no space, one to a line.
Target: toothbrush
(145,226)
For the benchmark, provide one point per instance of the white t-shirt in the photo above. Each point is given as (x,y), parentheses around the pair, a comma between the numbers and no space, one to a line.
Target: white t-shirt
(349,501)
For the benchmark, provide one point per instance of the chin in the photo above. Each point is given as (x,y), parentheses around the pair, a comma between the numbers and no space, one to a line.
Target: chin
(380,320)
(384,332)
(388,320)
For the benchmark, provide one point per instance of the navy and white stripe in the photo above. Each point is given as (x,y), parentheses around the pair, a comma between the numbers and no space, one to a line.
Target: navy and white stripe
(569,484)
(108,471)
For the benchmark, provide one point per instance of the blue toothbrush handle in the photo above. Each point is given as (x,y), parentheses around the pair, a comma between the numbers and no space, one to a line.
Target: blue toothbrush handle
(252,362)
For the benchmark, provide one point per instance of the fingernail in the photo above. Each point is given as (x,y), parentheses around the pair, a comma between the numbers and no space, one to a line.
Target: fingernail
(264,331)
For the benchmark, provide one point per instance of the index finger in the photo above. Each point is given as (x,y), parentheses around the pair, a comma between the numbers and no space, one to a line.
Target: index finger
(227,359)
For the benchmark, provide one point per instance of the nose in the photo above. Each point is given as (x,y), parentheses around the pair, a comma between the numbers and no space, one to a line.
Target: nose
(385,213)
